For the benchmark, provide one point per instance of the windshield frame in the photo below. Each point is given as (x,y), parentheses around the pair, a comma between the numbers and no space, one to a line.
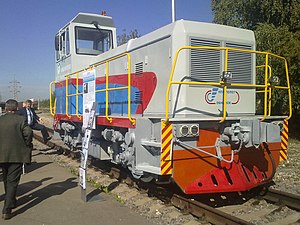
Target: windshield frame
(88,50)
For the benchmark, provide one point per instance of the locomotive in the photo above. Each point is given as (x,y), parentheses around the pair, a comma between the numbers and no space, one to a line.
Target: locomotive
(189,103)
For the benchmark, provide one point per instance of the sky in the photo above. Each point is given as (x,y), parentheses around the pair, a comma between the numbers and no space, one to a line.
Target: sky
(28,27)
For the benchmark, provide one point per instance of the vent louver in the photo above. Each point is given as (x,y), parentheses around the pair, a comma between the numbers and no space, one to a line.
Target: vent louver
(138,96)
(240,64)
(205,64)
(139,68)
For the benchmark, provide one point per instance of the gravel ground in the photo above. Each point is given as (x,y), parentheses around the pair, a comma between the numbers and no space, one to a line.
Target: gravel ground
(287,177)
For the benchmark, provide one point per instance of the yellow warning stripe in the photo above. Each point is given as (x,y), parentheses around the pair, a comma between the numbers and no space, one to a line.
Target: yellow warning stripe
(284,141)
(284,135)
(169,128)
(165,157)
(167,141)
(167,170)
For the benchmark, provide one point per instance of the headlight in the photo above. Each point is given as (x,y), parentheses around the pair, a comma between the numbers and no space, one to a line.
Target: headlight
(194,130)
(187,130)
(184,130)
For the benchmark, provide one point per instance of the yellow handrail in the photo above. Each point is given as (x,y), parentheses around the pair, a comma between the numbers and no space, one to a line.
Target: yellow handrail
(129,90)
(106,90)
(77,94)
(54,106)
(267,87)
(270,92)
(52,112)
(225,89)
(288,88)
(67,97)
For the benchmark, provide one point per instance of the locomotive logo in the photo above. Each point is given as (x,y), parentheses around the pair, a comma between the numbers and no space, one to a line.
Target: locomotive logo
(211,96)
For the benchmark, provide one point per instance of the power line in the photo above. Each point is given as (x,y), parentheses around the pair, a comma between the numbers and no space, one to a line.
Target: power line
(14,87)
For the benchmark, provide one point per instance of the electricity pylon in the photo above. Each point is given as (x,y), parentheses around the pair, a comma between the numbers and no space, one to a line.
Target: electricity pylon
(14,87)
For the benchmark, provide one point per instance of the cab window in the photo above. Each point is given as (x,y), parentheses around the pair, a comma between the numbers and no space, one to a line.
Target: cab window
(91,41)
(62,45)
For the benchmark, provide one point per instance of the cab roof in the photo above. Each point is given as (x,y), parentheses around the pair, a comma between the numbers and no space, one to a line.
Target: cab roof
(89,18)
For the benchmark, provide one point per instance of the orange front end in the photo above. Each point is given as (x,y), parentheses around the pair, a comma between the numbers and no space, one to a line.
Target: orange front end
(196,172)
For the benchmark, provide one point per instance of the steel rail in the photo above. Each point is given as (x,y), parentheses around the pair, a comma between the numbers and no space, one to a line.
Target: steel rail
(290,200)
(212,215)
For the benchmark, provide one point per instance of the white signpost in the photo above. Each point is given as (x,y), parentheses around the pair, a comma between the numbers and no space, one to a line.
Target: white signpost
(89,123)
(89,86)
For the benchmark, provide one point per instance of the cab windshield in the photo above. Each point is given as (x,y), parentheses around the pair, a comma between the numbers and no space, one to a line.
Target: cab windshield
(90,41)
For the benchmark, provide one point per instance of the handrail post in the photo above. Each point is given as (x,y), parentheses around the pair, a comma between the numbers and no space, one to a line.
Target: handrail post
(67,97)
(225,89)
(77,93)
(170,82)
(52,112)
(129,88)
(266,88)
(289,89)
(107,91)
(270,93)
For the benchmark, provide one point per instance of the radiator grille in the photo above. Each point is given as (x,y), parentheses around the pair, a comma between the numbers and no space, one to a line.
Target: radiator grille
(205,64)
(240,64)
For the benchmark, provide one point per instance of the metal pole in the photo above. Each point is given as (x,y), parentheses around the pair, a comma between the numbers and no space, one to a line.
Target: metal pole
(173,11)
(23,168)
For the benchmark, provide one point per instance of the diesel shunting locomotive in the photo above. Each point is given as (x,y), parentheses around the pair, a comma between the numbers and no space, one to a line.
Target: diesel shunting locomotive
(189,103)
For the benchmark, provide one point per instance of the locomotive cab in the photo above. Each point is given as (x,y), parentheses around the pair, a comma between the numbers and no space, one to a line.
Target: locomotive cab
(83,39)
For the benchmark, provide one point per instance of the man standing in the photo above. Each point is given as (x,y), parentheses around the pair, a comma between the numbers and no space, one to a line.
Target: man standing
(15,149)
(33,120)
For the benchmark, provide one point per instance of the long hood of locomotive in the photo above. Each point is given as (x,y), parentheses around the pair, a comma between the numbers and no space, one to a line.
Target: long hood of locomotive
(151,64)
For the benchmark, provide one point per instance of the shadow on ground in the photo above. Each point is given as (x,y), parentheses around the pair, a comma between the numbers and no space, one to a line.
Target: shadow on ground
(33,199)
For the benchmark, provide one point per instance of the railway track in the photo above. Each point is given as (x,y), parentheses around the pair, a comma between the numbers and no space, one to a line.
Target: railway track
(283,198)
(274,201)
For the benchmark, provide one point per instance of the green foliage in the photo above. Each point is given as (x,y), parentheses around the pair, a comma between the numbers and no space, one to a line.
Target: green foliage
(276,24)
(44,104)
(283,42)
(249,13)
(124,37)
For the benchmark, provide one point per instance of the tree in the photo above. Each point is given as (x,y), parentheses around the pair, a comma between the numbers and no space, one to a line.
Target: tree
(249,13)
(276,24)
(283,42)
(124,38)
(44,104)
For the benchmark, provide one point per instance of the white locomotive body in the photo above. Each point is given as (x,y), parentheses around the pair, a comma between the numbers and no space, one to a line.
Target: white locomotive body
(179,103)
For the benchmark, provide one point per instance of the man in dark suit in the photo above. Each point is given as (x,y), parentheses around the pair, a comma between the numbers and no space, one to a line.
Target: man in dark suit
(33,119)
(15,149)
